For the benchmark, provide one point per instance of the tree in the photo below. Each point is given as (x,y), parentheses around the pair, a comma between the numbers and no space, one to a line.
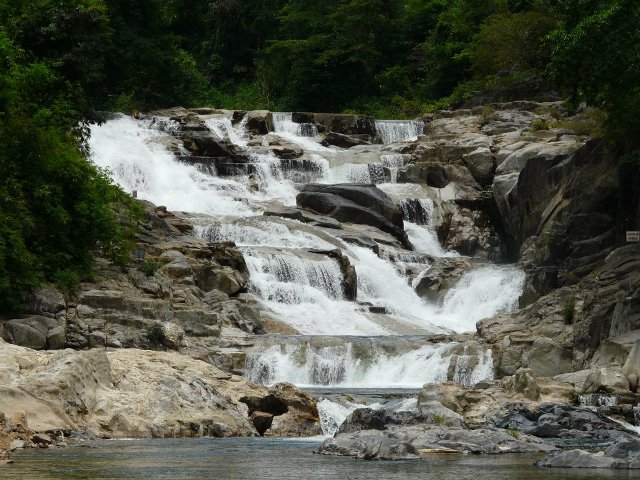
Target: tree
(596,58)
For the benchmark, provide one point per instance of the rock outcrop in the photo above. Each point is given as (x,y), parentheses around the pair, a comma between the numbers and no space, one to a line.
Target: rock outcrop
(364,204)
(139,393)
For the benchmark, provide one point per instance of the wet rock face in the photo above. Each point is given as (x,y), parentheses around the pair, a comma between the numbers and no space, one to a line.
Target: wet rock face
(363,204)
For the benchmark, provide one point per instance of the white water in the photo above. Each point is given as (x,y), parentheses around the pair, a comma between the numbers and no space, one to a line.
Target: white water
(399,130)
(482,293)
(394,163)
(302,134)
(133,153)
(224,130)
(353,366)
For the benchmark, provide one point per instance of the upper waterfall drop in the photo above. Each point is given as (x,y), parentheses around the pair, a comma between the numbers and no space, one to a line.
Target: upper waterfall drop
(399,130)
(134,153)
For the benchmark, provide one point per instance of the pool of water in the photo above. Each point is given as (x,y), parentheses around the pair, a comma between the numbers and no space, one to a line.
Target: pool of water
(263,458)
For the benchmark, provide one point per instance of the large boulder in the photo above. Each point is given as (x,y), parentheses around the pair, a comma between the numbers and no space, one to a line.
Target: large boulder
(260,122)
(45,300)
(606,380)
(345,141)
(345,124)
(35,332)
(363,204)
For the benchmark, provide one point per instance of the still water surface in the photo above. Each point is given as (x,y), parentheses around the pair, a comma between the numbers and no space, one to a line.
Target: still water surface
(264,458)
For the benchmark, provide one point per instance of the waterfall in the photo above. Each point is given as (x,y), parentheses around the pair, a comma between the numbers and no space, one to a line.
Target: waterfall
(224,130)
(373,343)
(302,134)
(394,163)
(418,211)
(282,123)
(482,293)
(399,130)
(290,279)
(366,364)
(134,154)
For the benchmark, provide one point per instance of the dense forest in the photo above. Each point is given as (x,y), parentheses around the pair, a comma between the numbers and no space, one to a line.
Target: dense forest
(63,60)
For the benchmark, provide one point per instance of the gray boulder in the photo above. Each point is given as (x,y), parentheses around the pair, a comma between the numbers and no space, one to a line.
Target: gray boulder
(35,332)
(576,459)
(46,301)
(606,380)
(362,204)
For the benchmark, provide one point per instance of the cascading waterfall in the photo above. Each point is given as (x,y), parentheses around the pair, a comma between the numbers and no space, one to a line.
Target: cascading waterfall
(418,216)
(394,163)
(132,151)
(399,130)
(295,282)
(224,130)
(367,364)
(302,134)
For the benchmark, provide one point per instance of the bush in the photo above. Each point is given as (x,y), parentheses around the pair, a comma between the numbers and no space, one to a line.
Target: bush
(568,311)
(149,268)
(155,334)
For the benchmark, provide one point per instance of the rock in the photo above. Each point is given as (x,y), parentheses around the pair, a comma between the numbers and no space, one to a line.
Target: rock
(346,124)
(525,382)
(153,393)
(224,279)
(262,421)
(576,459)
(16,444)
(409,440)
(606,380)
(442,275)
(345,141)
(56,338)
(260,122)
(437,413)
(285,212)
(546,358)
(42,439)
(46,301)
(363,204)
(206,144)
(363,419)
(32,332)
(284,149)
(371,446)
(481,164)
(172,335)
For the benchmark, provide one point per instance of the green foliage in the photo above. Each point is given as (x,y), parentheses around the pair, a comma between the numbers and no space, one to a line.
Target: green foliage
(155,334)
(513,432)
(568,311)
(149,268)
(596,59)
(56,208)
(438,419)
(539,124)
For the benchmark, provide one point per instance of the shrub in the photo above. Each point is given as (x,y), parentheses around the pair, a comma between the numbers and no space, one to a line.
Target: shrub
(149,268)
(568,311)
(155,334)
